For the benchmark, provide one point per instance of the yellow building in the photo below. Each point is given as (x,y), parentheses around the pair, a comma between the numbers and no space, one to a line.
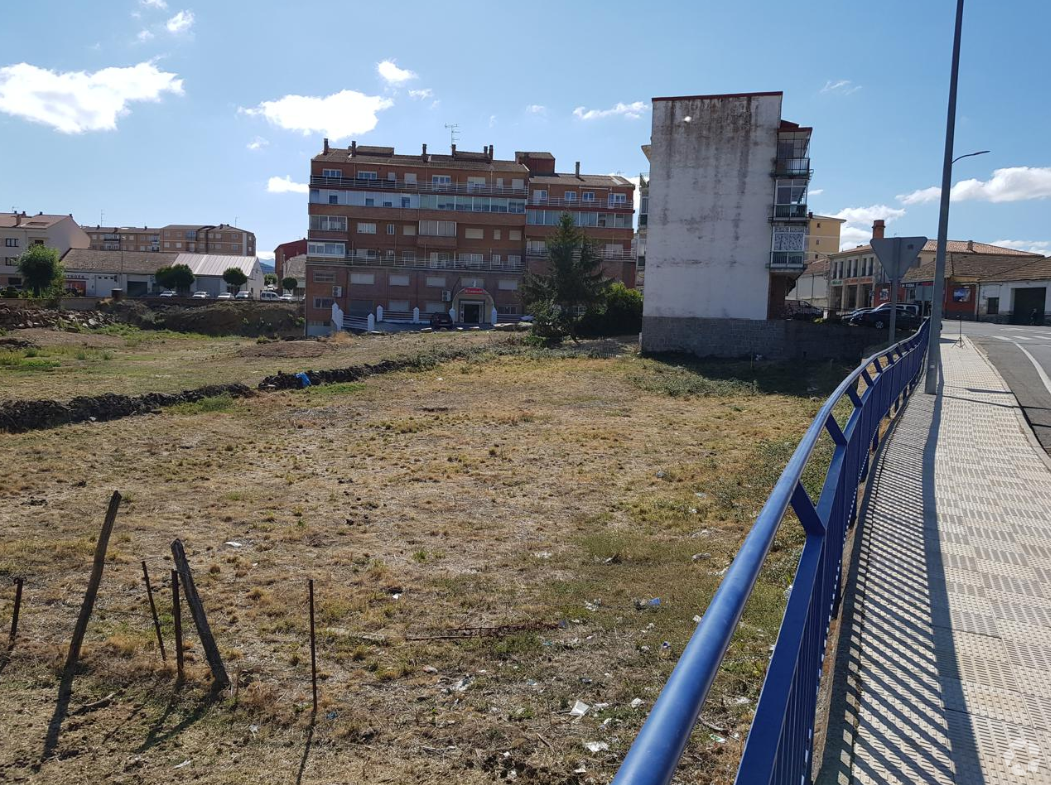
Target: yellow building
(822,236)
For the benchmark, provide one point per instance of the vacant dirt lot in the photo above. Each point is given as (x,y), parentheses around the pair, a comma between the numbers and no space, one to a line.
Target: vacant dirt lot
(560,492)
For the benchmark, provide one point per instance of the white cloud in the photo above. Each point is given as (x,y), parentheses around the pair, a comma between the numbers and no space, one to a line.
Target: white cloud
(1033,246)
(840,87)
(419,95)
(144,36)
(632,111)
(858,227)
(257,143)
(392,75)
(338,116)
(158,4)
(285,185)
(1013,184)
(265,256)
(492,120)
(76,101)
(816,191)
(180,23)
(921,196)
(536,109)
(435,103)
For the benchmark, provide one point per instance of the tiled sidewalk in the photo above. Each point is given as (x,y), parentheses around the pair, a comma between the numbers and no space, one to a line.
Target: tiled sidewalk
(947,629)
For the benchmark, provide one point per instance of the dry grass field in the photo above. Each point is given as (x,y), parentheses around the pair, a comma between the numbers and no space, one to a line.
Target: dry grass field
(560,493)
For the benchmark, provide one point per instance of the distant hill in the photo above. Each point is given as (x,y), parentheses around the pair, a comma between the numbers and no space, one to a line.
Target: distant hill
(266,267)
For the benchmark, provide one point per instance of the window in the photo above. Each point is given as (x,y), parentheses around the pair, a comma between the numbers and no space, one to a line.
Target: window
(475,183)
(333,198)
(388,255)
(408,256)
(364,228)
(992,307)
(410,178)
(409,230)
(507,310)
(328,223)
(326,249)
(434,307)
(324,276)
(398,306)
(819,224)
(323,302)
(392,177)
(498,234)
(390,228)
(471,259)
(399,280)
(365,279)
(514,234)
(518,184)
(570,196)
(618,199)
(441,179)
(370,201)
(508,285)
(436,281)
(178,245)
(472,283)
(474,233)
(405,202)
(167,244)
(191,235)
(367,176)
(539,196)
(438,228)
(11,242)
(587,196)
(514,260)
(536,247)
(331,173)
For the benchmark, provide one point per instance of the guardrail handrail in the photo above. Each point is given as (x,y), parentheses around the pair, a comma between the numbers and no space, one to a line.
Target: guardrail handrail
(779,745)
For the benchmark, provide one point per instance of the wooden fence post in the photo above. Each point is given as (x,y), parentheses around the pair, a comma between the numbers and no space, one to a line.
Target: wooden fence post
(14,615)
(193,600)
(313,648)
(92,591)
(177,618)
(153,612)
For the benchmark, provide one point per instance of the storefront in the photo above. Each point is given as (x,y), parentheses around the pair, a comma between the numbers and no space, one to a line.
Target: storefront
(473,305)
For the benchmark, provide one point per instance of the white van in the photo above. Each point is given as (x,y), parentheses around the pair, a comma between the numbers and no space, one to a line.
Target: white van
(269,296)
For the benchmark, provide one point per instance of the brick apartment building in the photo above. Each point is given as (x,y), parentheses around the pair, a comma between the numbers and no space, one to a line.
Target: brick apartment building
(286,251)
(447,232)
(174,238)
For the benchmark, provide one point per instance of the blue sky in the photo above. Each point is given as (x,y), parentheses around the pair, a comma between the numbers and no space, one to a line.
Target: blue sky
(179,111)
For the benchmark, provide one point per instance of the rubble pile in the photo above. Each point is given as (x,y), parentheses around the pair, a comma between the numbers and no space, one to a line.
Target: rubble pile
(18,318)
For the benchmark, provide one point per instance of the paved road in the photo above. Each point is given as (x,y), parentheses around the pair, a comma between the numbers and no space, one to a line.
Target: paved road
(1022,355)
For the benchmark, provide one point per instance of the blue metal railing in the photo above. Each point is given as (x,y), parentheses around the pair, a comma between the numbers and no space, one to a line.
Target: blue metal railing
(780,742)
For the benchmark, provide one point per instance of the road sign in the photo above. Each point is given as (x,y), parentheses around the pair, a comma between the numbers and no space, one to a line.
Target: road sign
(896,254)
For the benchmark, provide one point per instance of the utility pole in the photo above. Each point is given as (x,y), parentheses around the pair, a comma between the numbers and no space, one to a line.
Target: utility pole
(934,354)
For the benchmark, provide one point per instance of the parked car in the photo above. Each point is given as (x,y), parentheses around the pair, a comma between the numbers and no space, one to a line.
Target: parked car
(168,293)
(855,313)
(269,296)
(880,317)
(441,321)
(224,296)
(200,295)
(243,296)
(802,310)
(287,298)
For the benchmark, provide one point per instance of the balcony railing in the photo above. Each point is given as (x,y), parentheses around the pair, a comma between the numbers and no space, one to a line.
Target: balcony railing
(602,253)
(478,189)
(485,264)
(790,212)
(792,167)
(576,204)
(787,260)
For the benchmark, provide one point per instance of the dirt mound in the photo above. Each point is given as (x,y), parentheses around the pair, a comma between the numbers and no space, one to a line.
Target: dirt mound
(19,317)
(284,349)
(21,416)
(250,319)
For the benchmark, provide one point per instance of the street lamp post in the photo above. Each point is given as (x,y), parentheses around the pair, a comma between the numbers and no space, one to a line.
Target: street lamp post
(934,346)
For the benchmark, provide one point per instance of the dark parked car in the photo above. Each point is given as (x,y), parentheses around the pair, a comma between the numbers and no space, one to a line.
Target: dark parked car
(441,321)
(879,317)
(802,310)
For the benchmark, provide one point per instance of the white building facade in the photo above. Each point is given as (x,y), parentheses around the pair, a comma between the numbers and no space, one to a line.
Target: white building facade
(727,219)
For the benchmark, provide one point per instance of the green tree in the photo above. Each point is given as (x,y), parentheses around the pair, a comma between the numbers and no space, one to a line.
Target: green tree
(41,269)
(289,283)
(620,313)
(178,277)
(235,276)
(270,279)
(573,283)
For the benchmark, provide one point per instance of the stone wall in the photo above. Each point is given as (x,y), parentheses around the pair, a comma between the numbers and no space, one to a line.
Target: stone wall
(773,339)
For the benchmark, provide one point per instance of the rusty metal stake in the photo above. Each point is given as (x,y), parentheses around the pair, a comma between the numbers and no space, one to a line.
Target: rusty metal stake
(18,605)
(153,611)
(313,647)
(177,618)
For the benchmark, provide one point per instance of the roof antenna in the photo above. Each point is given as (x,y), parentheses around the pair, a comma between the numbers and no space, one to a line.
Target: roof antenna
(454,133)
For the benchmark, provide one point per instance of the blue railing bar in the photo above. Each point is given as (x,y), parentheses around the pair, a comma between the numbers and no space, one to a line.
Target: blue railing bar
(655,753)
(834,431)
(804,510)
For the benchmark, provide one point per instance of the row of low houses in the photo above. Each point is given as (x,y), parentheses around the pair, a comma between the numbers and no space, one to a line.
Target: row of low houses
(982,281)
(97,260)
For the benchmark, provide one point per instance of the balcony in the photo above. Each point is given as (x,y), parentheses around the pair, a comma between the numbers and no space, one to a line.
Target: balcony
(789,212)
(372,258)
(476,189)
(601,253)
(787,261)
(576,204)
(792,167)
